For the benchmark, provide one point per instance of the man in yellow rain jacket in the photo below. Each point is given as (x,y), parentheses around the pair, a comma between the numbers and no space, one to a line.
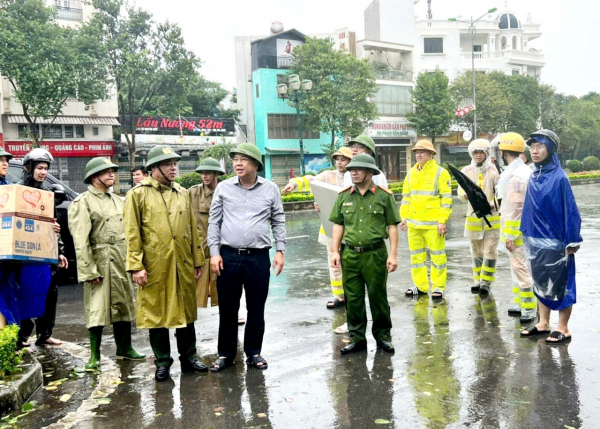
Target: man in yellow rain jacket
(96,223)
(164,254)
(511,191)
(334,177)
(425,209)
(484,240)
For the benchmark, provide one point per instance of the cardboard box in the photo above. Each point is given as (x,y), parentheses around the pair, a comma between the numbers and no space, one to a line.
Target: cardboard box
(22,200)
(28,240)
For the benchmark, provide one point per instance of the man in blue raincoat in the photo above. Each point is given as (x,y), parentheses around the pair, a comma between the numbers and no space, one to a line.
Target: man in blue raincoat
(551,227)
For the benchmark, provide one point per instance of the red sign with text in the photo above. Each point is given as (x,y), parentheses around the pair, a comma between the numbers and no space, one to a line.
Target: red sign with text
(64,149)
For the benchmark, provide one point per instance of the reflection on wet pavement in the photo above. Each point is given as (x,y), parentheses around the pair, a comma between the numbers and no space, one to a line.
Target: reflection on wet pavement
(457,364)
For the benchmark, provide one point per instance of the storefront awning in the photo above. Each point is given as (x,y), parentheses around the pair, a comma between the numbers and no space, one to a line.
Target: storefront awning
(67,120)
(285,150)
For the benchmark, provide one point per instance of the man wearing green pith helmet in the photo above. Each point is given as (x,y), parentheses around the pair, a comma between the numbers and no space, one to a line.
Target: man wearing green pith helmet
(96,223)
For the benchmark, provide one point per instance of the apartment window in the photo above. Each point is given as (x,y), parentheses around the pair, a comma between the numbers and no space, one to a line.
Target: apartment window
(393,100)
(69,10)
(257,91)
(79,131)
(96,131)
(69,134)
(433,45)
(52,132)
(286,127)
(476,48)
(24,131)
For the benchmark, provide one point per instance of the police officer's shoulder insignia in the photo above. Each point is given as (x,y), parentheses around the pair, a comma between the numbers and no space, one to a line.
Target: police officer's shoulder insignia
(383,188)
(345,189)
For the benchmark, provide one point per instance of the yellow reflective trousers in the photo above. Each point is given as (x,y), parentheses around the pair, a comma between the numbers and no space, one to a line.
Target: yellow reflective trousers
(419,240)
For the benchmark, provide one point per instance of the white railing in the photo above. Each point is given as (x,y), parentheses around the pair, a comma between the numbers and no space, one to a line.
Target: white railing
(531,28)
(509,53)
(440,23)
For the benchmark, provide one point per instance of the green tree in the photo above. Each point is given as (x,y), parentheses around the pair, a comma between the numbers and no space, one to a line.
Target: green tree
(220,151)
(153,70)
(492,103)
(582,133)
(434,107)
(46,64)
(342,86)
(206,98)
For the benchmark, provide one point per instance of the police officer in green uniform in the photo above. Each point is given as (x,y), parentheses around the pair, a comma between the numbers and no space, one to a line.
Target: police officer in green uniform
(364,215)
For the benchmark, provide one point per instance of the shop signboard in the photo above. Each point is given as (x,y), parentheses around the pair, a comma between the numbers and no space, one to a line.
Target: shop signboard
(63,149)
(390,129)
(161,124)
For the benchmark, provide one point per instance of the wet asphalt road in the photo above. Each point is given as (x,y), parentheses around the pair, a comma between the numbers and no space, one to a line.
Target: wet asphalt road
(457,364)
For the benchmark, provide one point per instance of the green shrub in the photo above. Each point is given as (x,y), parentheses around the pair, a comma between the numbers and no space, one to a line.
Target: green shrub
(297,196)
(575,165)
(591,163)
(581,176)
(9,357)
(191,179)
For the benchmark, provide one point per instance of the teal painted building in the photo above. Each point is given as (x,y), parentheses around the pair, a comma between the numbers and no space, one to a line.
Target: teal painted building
(275,121)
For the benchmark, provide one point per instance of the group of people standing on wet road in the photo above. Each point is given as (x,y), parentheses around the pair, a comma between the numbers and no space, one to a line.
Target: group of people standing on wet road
(183,247)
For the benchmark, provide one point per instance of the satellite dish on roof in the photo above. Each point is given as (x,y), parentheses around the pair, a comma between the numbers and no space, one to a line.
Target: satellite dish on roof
(276,27)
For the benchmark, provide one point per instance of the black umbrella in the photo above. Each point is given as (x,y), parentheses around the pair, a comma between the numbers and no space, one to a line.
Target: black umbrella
(475,195)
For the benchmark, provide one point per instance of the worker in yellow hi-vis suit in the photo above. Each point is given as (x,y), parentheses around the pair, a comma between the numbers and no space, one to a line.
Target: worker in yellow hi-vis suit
(511,191)
(484,239)
(334,177)
(425,209)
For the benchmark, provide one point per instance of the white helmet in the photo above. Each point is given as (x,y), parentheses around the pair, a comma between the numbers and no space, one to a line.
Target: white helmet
(38,155)
(480,145)
(496,140)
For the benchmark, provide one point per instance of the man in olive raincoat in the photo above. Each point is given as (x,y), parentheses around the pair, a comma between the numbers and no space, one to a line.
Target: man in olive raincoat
(164,254)
(96,223)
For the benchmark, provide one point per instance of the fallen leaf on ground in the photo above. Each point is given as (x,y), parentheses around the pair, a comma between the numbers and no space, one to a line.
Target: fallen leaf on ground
(158,415)
(289,399)
(453,357)
(27,407)
(65,397)
(345,340)
(261,415)
(427,393)
(217,414)
(217,410)
(79,369)
(116,382)
(382,422)
(134,376)
(104,401)
(391,380)
(50,387)
(500,357)
(569,427)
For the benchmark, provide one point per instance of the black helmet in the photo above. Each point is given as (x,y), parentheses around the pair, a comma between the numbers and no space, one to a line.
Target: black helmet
(544,133)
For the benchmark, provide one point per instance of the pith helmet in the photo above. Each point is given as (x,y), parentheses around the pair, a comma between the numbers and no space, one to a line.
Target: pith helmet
(250,150)
(38,155)
(362,160)
(549,134)
(160,153)
(97,165)
(480,145)
(424,145)
(210,164)
(5,153)
(512,141)
(343,151)
(365,141)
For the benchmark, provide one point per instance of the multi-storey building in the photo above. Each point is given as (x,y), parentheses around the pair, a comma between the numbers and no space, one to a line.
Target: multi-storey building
(79,133)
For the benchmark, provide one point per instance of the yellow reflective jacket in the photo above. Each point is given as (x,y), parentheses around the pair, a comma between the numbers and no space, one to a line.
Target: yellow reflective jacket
(426,196)
(162,239)
(486,177)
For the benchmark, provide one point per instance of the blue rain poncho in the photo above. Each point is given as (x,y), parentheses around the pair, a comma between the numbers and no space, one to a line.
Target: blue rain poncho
(8,285)
(551,223)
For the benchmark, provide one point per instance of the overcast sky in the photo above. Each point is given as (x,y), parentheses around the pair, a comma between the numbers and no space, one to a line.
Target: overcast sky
(569,28)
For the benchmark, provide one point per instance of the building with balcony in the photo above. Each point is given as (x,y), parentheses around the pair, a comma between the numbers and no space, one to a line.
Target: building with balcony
(267,120)
(78,134)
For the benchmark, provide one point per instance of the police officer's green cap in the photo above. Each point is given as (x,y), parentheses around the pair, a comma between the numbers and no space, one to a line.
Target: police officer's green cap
(251,151)
(210,164)
(160,153)
(95,166)
(5,153)
(362,160)
(365,141)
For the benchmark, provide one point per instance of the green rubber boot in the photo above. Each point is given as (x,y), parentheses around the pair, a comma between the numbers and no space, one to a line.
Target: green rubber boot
(95,341)
(122,332)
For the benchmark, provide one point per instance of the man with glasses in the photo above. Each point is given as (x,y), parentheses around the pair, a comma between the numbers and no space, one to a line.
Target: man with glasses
(241,212)
(364,144)
(164,253)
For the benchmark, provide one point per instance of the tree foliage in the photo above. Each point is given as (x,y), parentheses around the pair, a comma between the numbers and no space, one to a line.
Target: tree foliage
(46,64)
(342,87)
(206,100)
(492,103)
(153,70)
(219,152)
(434,107)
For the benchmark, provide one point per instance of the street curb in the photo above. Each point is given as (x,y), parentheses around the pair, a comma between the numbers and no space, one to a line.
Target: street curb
(18,388)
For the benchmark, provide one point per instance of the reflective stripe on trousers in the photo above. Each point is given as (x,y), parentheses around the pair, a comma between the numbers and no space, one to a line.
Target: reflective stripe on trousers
(419,240)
